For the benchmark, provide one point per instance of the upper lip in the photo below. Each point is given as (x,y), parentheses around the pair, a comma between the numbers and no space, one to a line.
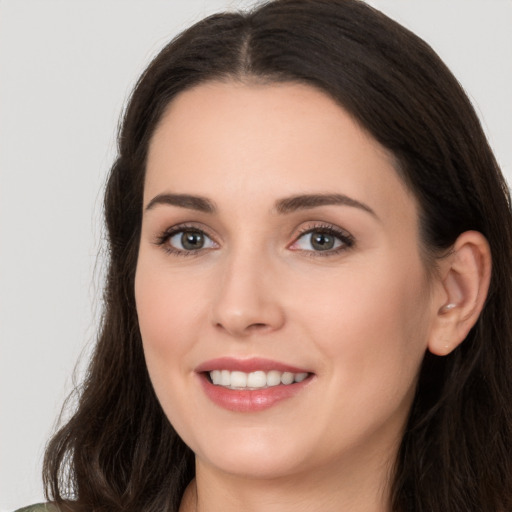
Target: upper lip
(247,365)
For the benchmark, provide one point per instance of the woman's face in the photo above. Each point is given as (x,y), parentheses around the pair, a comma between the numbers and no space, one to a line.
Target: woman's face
(278,244)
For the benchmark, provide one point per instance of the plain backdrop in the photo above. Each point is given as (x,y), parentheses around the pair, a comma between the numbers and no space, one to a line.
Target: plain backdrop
(66,69)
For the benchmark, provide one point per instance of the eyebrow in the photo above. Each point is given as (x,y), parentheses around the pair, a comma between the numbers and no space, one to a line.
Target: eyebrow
(307,201)
(282,206)
(188,201)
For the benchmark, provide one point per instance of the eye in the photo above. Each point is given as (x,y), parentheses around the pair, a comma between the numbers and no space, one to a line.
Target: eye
(327,239)
(184,241)
(189,240)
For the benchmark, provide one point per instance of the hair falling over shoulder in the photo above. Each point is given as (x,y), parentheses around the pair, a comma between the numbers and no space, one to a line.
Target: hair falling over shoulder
(118,452)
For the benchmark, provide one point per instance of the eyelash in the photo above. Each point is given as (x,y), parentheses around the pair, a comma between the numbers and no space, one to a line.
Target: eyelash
(346,239)
(162,240)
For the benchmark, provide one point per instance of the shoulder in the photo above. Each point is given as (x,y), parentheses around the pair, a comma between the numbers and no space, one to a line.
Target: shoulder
(39,507)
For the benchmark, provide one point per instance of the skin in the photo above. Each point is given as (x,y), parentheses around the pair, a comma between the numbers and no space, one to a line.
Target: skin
(360,319)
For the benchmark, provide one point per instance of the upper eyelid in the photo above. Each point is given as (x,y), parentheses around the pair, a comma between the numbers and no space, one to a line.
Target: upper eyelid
(328,227)
(177,228)
(161,237)
(311,226)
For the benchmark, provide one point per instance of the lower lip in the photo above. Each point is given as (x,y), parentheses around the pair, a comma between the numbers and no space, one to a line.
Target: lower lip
(250,400)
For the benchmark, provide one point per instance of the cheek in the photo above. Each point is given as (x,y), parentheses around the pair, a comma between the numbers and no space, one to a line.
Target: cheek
(373,324)
(168,311)
(371,331)
(167,305)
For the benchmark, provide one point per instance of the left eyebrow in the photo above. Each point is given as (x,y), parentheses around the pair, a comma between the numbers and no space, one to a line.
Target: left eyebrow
(307,201)
(188,201)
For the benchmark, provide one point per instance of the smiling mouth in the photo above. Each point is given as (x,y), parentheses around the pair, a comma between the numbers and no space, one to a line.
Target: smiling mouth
(237,380)
(251,385)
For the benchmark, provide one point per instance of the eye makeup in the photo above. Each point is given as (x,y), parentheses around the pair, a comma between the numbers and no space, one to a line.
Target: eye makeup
(317,239)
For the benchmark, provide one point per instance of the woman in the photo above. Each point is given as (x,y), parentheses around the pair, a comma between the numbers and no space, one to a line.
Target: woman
(308,294)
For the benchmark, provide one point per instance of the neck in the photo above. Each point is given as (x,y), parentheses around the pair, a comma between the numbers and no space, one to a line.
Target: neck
(358,488)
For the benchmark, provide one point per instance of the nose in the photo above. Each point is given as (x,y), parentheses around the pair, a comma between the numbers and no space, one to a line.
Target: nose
(247,300)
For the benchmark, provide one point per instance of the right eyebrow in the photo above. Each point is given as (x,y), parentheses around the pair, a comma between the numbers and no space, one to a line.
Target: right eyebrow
(309,201)
(190,202)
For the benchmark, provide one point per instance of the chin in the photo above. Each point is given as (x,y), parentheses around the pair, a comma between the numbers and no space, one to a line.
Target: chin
(272,464)
(251,453)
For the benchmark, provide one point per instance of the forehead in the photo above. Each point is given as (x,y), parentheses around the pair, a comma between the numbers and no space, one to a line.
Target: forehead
(253,141)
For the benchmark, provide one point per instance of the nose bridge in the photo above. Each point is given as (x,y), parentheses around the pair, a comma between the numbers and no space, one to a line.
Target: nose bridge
(245,300)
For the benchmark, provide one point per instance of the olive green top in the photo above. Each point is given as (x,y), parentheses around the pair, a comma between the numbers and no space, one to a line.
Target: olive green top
(39,507)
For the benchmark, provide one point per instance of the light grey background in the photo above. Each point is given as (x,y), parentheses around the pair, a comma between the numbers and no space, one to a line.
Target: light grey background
(66,69)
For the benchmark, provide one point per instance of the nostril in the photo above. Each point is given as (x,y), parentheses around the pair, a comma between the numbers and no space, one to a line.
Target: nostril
(250,327)
(257,326)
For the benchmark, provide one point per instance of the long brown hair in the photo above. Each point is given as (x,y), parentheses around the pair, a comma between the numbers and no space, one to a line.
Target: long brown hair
(118,451)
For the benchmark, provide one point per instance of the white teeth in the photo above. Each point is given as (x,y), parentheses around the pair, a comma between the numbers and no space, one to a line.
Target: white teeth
(216,377)
(254,380)
(273,378)
(299,377)
(238,380)
(225,378)
(287,378)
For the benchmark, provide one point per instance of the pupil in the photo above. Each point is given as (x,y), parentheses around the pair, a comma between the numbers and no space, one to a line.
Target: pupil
(191,240)
(322,241)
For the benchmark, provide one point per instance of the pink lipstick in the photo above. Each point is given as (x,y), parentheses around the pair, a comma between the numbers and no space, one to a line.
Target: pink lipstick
(250,385)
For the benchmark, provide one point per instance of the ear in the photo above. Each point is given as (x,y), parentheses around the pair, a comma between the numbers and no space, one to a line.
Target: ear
(464,283)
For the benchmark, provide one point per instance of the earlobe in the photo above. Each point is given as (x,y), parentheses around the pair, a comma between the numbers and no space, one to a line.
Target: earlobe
(465,278)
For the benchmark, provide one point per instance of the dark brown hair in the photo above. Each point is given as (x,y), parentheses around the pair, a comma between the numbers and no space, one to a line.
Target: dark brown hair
(118,451)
